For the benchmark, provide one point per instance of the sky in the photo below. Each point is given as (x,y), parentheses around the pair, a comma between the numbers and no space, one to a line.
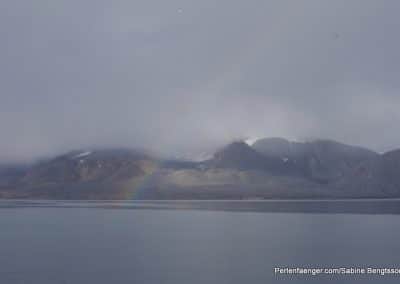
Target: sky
(179,77)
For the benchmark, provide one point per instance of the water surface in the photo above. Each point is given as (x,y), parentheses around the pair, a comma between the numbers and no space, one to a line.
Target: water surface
(195,242)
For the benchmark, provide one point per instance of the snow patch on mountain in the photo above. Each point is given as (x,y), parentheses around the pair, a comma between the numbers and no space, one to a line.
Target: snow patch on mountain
(83,154)
(251,141)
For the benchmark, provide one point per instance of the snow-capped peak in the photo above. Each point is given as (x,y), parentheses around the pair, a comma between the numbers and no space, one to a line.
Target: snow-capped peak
(83,154)
(251,141)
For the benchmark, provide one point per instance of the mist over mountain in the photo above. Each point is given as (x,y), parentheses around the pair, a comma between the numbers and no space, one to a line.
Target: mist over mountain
(269,168)
(187,77)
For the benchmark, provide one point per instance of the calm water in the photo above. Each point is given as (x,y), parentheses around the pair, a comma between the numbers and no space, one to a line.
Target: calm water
(195,242)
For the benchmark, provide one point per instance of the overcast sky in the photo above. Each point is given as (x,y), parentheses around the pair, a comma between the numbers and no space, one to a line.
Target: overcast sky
(180,76)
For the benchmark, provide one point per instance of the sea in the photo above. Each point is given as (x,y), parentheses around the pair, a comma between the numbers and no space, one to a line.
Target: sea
(193,242)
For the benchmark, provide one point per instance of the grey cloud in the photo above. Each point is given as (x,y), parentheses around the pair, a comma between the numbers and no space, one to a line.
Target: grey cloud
(182,76)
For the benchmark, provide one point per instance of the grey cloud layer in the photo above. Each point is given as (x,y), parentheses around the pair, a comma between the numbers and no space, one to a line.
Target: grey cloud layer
(181,76)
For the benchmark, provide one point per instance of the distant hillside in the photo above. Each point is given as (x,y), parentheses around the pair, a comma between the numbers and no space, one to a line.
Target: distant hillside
(320,160)
(270,168)
(99,174)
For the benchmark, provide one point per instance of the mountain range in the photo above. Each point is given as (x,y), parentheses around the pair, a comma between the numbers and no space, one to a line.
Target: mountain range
(269,168)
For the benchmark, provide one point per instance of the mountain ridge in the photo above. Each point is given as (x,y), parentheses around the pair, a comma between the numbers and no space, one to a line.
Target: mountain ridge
(269,168)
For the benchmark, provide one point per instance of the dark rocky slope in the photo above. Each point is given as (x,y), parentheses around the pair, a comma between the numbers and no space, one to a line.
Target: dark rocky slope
(270,168)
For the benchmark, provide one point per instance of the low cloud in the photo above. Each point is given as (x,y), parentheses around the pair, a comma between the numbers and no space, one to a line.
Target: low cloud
(188,76)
